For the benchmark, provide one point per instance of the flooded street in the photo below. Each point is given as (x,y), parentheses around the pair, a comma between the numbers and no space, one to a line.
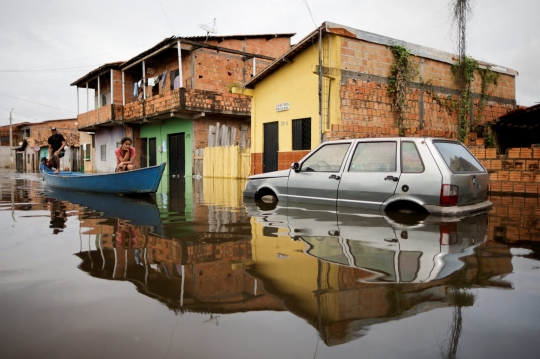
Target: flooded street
(194,272)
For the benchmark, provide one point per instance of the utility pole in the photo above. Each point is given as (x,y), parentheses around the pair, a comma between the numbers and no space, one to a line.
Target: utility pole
(10,140)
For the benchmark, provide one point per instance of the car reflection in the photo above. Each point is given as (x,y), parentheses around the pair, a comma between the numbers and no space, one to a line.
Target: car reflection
(394,248)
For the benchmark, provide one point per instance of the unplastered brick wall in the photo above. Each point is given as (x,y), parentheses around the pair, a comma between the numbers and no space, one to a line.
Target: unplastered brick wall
(168,101)
(273,47)
(432,99)
(217,71)
(117,87)
(218,102)
(516,171)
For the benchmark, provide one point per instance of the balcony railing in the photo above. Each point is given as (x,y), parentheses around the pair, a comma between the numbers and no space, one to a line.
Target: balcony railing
(183,101)
(104,115)
(188,101)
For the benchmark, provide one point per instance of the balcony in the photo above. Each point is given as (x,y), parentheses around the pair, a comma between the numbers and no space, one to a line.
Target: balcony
(108,115)
(182,103)
(187,104)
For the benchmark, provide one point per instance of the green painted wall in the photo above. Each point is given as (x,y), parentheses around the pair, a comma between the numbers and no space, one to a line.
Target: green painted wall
(161,132)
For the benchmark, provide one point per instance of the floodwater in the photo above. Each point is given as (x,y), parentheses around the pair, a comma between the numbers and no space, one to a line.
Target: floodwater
(197,273)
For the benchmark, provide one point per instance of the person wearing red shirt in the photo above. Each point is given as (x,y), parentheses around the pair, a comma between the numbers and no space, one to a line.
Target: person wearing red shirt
(125,155)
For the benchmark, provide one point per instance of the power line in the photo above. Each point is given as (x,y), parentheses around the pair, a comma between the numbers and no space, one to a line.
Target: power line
(167,16)
(89,57)
(310,14)
(36,103)
(72,69)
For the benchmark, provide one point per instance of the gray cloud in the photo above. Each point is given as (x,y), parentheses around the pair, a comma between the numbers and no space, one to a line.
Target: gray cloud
(65,39)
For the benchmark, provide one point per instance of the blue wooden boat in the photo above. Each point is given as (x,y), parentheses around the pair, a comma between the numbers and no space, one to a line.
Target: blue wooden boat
(142,180)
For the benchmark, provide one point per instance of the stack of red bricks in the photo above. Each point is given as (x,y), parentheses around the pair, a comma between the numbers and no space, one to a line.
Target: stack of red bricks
(515,172)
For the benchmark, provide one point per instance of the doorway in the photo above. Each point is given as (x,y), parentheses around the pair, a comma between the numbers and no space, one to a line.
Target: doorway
(152,161)
(271,147)
(177,155)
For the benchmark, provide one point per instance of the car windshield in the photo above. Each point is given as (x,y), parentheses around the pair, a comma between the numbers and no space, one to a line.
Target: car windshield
(327,158)
(457,158)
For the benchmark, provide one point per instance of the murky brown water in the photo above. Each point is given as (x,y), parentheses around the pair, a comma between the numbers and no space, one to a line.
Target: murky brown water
(197,273)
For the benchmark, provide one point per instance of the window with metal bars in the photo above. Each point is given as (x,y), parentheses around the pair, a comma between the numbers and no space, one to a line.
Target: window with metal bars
(104,152)
(301,132)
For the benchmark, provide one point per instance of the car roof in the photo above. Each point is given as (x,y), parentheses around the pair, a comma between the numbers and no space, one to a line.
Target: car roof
(349,140)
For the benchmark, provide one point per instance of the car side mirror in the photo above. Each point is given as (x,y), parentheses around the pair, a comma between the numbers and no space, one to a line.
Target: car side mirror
(295,166)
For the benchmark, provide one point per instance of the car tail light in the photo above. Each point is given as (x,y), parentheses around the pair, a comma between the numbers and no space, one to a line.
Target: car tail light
(448,233)
(449,195)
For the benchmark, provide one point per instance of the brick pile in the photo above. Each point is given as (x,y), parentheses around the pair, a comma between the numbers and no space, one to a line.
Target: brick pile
(517,171)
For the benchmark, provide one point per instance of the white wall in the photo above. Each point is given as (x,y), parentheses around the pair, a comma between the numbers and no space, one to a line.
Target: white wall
(5,156)
(107,136)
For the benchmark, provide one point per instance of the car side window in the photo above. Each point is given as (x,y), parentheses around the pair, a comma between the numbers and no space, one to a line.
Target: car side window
(411,162)
(327,158)
(374,157)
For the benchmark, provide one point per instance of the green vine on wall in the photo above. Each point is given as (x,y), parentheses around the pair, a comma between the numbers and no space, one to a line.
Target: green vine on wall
(448,102)
(401,75)
(489,77)
(464,76)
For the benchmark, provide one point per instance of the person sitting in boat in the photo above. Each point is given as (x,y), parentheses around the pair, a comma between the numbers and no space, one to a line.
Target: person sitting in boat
(56,142)
(125,155)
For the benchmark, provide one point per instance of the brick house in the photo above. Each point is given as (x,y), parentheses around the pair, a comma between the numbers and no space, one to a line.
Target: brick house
(296,106)
(169,97)
(34,145)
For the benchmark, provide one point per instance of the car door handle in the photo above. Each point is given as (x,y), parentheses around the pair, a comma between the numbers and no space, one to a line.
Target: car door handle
(337,177)
(395,179)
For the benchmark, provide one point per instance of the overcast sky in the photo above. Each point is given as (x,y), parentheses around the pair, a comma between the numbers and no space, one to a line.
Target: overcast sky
(48,44)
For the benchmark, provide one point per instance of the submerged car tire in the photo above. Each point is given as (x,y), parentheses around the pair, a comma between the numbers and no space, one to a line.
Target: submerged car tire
(266,203)
(405,207)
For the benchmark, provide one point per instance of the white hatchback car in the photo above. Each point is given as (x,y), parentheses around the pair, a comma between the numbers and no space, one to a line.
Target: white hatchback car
(419,174)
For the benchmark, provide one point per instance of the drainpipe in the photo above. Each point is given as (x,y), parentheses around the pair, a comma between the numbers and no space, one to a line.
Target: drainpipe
(98,94)
(144,79)
(320,86)
(254,67)
(123,90)
(112,88)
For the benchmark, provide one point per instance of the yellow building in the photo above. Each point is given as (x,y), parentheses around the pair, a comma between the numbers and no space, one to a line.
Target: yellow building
(334,84)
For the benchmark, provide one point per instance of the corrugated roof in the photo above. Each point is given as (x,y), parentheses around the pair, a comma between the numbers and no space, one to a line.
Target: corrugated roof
(524,117)
(159,45)
(96,72)
(164,43)
(239,36)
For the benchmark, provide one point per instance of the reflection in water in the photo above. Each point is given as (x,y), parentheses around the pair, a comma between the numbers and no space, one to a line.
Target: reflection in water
(196,250)
(367,268)
(58,215)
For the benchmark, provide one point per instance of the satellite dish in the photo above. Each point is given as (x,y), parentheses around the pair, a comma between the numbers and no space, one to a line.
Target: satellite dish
(209,29)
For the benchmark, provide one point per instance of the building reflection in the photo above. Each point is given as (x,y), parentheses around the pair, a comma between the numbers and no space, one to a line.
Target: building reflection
(198,248)
(341,272)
